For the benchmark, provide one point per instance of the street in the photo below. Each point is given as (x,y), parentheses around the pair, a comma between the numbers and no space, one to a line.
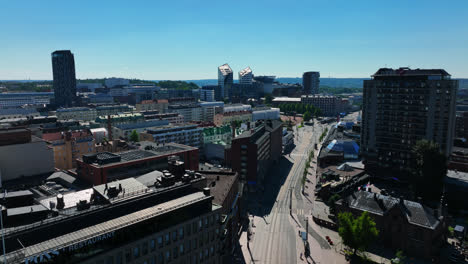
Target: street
(275,229)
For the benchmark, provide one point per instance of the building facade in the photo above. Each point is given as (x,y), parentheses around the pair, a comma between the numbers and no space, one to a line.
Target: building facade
(252,152)
(19,99)
(186,134)
(77,113)
(207,95)
(23,155)
(227,118)
(100,168)
(402,106)
(69,146)
(63,68)
(329,105)
(311,82)
(246,76)
(225,80)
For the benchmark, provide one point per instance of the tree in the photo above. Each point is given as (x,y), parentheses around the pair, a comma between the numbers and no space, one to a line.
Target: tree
(317,112)
(134,136)
(399,257)
(268,99)
(430,169)
(307,116)
(357,233)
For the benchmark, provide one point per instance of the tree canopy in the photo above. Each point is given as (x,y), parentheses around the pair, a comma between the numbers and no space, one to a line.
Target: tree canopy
(430,169)
(357,233)
(134,136)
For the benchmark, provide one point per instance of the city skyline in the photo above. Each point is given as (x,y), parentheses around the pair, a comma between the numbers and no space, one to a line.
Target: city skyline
(155,42)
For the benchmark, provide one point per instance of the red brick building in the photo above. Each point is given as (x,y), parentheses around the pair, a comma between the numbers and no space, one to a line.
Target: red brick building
(104,167)
(402,224)
(252,152)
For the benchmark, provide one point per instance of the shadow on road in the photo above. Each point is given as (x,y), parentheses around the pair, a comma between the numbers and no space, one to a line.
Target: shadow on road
(261,203)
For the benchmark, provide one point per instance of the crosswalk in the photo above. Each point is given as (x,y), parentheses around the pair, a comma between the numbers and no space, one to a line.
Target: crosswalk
(296,211)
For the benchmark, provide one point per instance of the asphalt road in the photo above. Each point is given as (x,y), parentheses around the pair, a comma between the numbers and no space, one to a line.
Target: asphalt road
(274,239)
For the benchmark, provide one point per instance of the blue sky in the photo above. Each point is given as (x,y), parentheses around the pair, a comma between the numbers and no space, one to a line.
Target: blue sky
(189,39)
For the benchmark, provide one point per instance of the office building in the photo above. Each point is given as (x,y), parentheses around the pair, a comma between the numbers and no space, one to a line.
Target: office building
(225,188)
(171,219)
(328,104)
(100,168)
(124,131)
(9,113)
(245,76)
(461,125)
(218,94)
(76,113)
(225,80)
(116,82)
(227,118)
(210,109)
(402,106)
(173,118)
(8,100)
(23,155)
(207,95)
(69,146)
(186,134)
(265,83)
(105,110)
(252,153)
(63,67)
(190,112)
(265,113)
(120,119)
(311,82)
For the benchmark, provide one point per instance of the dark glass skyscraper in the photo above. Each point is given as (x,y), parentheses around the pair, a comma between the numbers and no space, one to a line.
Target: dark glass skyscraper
(311,82)
(63,68)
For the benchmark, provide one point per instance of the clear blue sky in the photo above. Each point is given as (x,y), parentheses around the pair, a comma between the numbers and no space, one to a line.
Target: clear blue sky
(189,39)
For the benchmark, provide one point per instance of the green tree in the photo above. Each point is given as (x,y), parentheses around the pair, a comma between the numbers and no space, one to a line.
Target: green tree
(430,169)
(307,116)
(400,256)
(357,233)
(317,112)
(134,136)
(268,99)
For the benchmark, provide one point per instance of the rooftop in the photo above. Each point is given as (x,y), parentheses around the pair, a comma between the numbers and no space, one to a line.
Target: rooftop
(379,204)
(457,178)
(220,183)
(404,71)
(225,69)
(245,71)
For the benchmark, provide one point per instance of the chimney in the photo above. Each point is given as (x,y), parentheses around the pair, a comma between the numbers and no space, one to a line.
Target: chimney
(401,200)
(109,127)
(206,191)
(248,125)
(420,200)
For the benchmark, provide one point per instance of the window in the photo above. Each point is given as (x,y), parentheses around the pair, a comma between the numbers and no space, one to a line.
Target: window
(144,248)
(174,235)
(206,222)
(160,241)
(167,239)
(181,233)
(181,249)
(194,242)
(212,251)
(152,245)
(119,258)
(128,255)
(200,224)
(110,260)
(174,252)
(136,252)
(168,256)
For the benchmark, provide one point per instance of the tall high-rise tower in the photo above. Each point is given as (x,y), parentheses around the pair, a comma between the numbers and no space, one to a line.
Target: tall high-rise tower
(245,76)
(311,82)
(225,79)
(402,106)
(63,68)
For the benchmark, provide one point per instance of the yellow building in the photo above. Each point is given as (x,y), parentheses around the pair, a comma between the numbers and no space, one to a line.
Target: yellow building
(70,145)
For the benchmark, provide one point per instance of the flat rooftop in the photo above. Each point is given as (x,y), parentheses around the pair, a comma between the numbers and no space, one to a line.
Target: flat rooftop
(106,227)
